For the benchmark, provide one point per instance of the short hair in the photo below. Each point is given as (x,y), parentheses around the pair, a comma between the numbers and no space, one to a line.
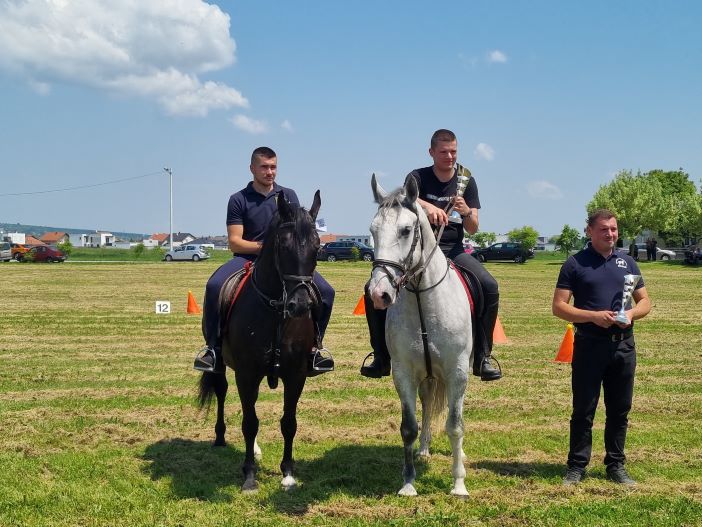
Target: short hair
(604,214)
(262,151)
(442,135)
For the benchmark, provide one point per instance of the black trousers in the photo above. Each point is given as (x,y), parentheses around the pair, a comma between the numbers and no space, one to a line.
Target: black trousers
(487,319)
(599,362)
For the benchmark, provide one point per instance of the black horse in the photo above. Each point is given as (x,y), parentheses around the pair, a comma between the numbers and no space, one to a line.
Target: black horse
(271,331)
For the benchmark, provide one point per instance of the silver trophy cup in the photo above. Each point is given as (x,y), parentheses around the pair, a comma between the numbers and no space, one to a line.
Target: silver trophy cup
(630,281)
(462,179)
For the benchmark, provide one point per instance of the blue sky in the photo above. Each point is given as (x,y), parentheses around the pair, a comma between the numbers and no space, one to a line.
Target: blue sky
(549,100)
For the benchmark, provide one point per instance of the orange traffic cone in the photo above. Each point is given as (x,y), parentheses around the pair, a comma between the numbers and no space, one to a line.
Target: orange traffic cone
(565,352)
(498,334)
(193,308)
(360,308)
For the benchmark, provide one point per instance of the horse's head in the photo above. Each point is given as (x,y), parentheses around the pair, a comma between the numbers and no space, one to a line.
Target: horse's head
(296,246)
(397,233)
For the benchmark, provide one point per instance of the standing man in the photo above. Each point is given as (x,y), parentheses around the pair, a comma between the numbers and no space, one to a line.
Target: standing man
(437,188)
(604,354)
(248,214)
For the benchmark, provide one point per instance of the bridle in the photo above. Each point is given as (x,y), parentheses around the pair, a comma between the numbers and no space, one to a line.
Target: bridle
(290,282)
(409,273)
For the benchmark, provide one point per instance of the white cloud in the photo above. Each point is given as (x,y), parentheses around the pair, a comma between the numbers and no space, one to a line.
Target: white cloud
(544,189)
(249,125)
(286,125)
(154,50)
(484,151)
(496,56)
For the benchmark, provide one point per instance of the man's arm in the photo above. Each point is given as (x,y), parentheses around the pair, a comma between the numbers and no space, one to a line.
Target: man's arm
(436,215)
(641,309)
(562,308)
(237,243)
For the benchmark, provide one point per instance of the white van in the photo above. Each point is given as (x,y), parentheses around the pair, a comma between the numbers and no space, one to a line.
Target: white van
(5,251)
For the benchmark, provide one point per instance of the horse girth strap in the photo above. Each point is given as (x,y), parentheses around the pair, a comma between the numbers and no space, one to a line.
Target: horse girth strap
(425,337)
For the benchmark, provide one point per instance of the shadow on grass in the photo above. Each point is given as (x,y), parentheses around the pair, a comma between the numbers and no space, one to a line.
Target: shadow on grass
(522,470)
(195,468)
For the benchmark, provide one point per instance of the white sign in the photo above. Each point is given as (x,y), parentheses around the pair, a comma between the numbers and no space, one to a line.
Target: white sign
(163,307)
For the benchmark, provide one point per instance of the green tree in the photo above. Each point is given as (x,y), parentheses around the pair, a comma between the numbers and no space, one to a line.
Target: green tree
(65,247)
(568,240)
(159,252)
(482,239)
(355,254)
(526,235)
(138,250)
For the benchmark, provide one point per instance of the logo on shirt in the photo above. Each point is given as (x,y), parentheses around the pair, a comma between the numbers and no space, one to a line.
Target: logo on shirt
(621,262)
(438,198)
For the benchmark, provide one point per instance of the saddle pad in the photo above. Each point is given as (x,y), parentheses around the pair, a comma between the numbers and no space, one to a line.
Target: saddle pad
(230,292)
(466,289)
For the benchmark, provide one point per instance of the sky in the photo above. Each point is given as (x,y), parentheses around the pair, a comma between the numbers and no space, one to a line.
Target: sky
(549,100)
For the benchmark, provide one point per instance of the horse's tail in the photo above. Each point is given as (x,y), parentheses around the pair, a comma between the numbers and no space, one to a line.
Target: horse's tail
(437,397)
(209,382)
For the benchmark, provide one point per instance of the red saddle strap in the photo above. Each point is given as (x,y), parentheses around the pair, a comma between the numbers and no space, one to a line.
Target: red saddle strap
(465,287)
(248,269)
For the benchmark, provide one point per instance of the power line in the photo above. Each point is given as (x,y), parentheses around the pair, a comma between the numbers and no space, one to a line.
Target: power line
(82,186)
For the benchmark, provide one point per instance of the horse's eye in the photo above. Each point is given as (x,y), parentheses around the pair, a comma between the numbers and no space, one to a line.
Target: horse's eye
(405,231)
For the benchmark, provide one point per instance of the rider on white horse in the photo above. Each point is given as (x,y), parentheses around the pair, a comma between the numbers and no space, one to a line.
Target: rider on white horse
(437,187)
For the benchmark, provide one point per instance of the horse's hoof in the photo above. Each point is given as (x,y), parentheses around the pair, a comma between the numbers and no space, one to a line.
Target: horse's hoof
(288,483)
(462,495)
(249,487)
(407,490)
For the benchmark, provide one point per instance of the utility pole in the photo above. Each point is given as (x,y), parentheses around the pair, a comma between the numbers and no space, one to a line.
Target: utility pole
(170,217)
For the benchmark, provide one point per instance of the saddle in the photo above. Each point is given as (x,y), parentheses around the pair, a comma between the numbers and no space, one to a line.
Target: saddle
(473,289)
(229,293)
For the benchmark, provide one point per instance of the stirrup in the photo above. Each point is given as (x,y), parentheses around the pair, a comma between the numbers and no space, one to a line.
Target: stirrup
(377,373)
(201,365)
(321,356)
(490,359)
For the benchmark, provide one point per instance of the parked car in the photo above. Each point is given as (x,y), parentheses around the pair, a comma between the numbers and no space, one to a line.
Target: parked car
(693,255)
(504,251)
(18,250)
(5,251)
(334,251)
(187,252)
(661,254)
(43,253)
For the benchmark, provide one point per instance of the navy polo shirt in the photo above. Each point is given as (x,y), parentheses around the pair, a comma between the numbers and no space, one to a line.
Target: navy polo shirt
(597,283)
(254,211)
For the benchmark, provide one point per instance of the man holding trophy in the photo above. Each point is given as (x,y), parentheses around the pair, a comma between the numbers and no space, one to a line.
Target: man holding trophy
(602,283)
(449,196)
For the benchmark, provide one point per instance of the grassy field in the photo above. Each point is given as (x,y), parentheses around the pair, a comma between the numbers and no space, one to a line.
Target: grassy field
(98,424)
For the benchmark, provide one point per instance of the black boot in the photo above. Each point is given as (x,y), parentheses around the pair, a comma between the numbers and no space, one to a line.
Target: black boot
(487,371)
(209,359)
(482,361)
(380,367)
(320,361)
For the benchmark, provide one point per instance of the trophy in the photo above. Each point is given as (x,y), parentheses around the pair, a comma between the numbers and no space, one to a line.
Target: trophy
(630,281)
(462,179)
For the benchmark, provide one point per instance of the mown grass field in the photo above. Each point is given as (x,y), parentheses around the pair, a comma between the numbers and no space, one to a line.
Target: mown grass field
(98,424)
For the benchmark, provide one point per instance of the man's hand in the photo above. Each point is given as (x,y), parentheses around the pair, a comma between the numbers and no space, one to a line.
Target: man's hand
(460,206)
(604,319)
(436,215)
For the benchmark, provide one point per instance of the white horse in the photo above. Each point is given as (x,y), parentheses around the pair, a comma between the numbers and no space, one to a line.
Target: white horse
(428,325)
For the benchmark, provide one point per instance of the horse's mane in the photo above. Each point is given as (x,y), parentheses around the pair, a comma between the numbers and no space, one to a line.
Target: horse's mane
(304,227)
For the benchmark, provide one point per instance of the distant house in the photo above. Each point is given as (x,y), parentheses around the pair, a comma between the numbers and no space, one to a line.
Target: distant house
(94,239)
(361,238)
(159,237)
(52,238)
(326,238)
(179,238)
(31,241)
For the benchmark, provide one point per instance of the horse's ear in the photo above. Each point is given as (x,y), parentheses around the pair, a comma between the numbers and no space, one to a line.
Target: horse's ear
(316,203)
(284,209)
(411,189)
(378,192)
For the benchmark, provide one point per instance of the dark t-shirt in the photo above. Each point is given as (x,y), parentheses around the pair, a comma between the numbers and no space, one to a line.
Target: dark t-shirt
(439,194)
(254,211)
(597,283)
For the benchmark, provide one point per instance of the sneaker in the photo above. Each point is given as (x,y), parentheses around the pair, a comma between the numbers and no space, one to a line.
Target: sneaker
(488,372)
(320,361)
(206,360)
(376,369)
(620,475)
(573,476)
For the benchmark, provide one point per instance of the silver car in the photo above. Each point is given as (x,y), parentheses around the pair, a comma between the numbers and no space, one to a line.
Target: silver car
(661,254)
(187,252)
(5,252)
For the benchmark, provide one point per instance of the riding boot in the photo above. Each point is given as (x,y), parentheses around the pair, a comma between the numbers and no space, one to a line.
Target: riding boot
(320,359)
(482,364)
(209,359)
(380,367)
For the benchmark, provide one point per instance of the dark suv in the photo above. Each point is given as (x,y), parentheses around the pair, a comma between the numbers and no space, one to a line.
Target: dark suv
(504,251)
(334,251)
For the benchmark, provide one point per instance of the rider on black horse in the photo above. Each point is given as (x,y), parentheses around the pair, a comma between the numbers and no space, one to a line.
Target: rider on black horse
(248,214)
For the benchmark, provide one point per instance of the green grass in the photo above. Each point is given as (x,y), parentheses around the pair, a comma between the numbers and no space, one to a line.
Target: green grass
(98,424)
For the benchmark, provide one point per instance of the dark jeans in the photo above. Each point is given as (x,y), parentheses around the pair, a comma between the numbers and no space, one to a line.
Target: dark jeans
(599,362)
(484,329)
(210,327)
